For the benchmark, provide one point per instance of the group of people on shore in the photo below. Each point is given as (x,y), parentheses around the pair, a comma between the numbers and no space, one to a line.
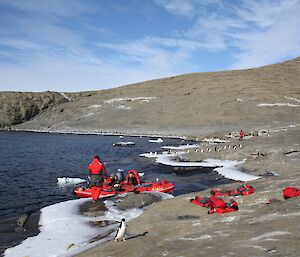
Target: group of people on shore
(99,179)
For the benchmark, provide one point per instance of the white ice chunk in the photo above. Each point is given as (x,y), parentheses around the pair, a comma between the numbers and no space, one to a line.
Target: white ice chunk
(71,181)
(159,140)
(181,147)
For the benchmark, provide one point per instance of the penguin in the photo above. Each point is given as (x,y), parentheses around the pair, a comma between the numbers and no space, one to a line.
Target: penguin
(240,146)
(121,231)
(234,147)
(196,150)
(201,150)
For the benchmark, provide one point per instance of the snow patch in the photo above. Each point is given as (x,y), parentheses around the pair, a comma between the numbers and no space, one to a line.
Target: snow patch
(203,237)
(140,98)
(277,104)
(229,219)
(181,147)
(95,106)
(292,98)
(267,236)
(66,232)
(61,226)
(123,107)
(226,168)
(155,154)
(65,96)
(88,115)
(215,140)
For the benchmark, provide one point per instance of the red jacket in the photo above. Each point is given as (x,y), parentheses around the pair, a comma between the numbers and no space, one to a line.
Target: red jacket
(97,168)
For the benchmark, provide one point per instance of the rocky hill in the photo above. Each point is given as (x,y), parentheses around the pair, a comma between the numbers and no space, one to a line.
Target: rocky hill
(187,104)
(19,107)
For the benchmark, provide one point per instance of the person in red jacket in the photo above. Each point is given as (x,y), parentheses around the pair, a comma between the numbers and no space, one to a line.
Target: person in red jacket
(97,172)
(242,135)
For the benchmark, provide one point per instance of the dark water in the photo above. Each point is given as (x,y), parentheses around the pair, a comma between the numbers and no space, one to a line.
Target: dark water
(30,164)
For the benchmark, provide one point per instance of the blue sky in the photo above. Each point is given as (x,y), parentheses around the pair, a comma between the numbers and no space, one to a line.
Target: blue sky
(78,45)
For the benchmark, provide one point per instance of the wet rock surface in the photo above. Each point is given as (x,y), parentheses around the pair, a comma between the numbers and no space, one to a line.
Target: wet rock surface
(17,229)
(133,200)
(93,209)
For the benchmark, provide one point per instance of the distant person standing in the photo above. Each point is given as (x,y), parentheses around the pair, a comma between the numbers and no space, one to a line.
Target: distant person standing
(97,172)
(242,135)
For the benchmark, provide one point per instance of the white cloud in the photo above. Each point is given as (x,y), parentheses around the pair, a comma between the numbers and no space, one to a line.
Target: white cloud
(52,56)
(261,32)
(278,40)
(179,7)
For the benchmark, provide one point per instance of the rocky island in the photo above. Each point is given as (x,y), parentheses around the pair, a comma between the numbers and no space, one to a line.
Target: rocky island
(264,102)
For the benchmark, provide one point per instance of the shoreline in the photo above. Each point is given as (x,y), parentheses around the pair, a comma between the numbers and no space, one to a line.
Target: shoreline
(99,133)
(257,229)
(253,167)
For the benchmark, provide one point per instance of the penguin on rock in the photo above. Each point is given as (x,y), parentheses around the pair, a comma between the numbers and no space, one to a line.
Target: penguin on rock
(121,231)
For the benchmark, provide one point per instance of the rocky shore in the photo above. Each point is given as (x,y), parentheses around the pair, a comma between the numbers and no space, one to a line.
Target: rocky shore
(196,106)
(260,228)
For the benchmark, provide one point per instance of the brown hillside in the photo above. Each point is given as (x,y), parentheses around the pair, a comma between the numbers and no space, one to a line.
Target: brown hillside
(189,103)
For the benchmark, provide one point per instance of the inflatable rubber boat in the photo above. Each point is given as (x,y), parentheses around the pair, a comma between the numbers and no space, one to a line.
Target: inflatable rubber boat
(124,187)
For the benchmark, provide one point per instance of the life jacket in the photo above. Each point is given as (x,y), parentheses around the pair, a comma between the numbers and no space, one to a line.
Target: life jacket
(96,167)
(229,207)
(215,204)
(136,175)
(242,190)
(200,201)
(290,192)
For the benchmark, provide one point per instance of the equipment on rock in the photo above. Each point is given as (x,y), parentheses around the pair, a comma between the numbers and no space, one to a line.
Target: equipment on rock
(244,189)
(290,192)
(215,204)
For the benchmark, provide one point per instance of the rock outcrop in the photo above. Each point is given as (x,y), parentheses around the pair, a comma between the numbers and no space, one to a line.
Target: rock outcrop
(19,107)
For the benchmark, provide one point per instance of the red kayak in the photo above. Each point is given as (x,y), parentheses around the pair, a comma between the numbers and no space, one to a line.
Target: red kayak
(125,187)
(163,186)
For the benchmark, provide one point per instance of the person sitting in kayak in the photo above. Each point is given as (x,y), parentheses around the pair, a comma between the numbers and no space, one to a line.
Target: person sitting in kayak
(110,181)
(97,172)
(132,178)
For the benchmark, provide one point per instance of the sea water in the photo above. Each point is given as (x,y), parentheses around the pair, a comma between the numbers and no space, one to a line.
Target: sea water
(30,164)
